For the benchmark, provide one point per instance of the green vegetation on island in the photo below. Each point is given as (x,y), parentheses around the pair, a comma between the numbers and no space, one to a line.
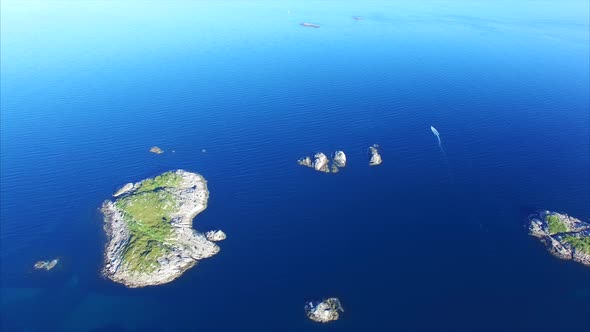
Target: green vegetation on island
(164,180)
(579,243)
(564,236)
(555,224)
(149,228)
(148,218)
(147,213)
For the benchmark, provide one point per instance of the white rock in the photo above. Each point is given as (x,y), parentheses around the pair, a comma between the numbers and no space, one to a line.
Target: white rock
(339,159)
(305,161)
(126,188)
(324,311)
(215,236)
(321,163)
(375,156)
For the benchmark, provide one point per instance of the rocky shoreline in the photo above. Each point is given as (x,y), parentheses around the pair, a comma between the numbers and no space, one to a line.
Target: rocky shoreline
(565,237)
(143,252)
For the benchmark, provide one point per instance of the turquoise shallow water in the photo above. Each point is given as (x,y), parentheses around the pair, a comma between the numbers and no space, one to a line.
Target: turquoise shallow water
(424,242)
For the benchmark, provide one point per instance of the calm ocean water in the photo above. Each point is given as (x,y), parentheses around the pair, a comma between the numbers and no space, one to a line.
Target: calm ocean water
(424,242)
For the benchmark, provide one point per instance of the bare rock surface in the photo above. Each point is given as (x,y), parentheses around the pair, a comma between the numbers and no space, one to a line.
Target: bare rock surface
(339,159)
(156,150)
(305,161)
(321,163)
(324,311)
(375,156)
(215,235)
(126,188)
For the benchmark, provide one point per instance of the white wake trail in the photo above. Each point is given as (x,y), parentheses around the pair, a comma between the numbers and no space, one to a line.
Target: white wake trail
(437,134)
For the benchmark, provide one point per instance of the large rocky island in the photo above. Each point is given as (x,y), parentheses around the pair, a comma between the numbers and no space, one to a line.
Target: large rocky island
(149,229)
(564,236)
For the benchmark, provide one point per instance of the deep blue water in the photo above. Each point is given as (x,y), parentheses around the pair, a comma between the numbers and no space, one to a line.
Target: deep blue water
(424,242)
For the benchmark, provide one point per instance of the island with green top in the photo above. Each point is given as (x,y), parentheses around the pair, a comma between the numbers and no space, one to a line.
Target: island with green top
(150,239)
(564,236)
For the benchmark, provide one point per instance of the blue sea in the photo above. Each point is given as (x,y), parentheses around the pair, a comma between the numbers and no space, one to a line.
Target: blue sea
(431,240)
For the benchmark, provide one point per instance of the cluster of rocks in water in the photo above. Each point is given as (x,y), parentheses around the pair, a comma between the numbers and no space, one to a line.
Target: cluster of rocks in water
(565,237)
(46,265)
(324,311)
(184,247)
(321,163)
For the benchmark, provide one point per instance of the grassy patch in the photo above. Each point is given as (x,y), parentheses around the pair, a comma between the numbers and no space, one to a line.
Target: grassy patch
(168,179)
(148,217)
(580,243)
(555,225)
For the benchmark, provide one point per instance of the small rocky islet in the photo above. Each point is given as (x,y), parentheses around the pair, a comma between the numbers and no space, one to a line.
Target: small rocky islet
(564,236)
(156,150)
(150,239)
(324,311)
(375,155)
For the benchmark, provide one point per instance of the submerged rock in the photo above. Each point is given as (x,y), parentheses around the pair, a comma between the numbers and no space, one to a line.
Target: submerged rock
(564,236)
(156,150)
(375,156)
(149,230)
(215,235)
(339,159)
(46,265)
(334,169)
(321,163)
(310,25)
(324,311)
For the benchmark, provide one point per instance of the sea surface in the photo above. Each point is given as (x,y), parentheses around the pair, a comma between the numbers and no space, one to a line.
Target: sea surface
(431,240)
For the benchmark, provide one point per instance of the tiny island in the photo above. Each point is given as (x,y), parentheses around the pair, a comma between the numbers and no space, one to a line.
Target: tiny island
(150,239)
(565,237)
(156,150)
(375,156)
(324,311)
